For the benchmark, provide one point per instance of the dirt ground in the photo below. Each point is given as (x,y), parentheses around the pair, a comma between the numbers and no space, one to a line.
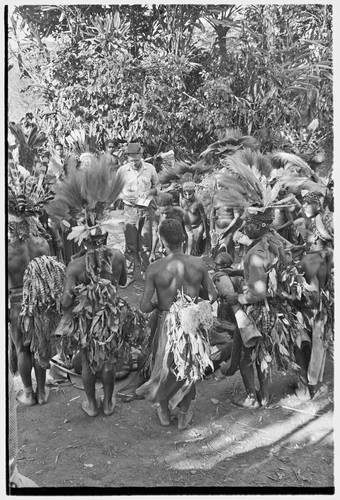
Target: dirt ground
(286,448)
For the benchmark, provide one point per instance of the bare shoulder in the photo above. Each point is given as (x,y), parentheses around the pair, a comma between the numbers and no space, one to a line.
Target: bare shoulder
(76,266)
(197,261)
(191,261)
(156,267)
(37,246)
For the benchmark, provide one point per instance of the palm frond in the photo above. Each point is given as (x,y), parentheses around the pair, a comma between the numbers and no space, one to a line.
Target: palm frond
(36,138)
(18,133)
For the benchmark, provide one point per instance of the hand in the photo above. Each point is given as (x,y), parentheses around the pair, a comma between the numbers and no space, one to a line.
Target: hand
(64,224)
(231,298)
(132,197)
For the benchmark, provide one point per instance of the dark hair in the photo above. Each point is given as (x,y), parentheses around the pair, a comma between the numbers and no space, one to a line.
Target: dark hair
(46,154)
(223,258)
(110,141)
(171,231)
(164,200)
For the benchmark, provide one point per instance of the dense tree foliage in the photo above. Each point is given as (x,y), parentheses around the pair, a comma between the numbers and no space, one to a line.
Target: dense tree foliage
(177,76)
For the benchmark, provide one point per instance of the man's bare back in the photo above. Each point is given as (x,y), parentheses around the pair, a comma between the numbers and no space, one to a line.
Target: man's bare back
(176,272)
(113,266)
(19,256)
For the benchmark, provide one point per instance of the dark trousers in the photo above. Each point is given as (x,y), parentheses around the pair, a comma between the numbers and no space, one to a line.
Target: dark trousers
(138,239)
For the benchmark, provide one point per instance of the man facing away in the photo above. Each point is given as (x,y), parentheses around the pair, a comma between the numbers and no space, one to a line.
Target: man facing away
(166,277)
(140,182)
(20,253)
(111,267)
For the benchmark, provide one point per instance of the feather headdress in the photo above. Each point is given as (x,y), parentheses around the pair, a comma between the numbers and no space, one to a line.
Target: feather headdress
(88,195)
(299,185)
(293,164)
(80,141)
(245,186)
(232,141)
(27,194)
(183,172)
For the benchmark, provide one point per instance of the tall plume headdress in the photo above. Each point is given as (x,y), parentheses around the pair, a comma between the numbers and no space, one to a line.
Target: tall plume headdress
(88,195)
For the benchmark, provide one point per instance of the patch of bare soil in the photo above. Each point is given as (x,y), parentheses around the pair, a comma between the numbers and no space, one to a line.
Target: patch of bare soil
(285,448)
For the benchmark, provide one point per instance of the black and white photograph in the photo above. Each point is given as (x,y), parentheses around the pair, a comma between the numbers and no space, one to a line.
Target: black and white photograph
(168,179)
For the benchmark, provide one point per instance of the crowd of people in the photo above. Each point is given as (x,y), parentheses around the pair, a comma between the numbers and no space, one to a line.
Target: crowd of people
(261,250)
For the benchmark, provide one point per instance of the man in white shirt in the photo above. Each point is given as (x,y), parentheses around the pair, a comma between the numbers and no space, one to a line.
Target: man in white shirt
(141,185)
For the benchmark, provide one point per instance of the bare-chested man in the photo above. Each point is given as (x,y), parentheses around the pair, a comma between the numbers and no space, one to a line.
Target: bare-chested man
(194,208)
(110,265)
(166,277)
(223,224)
(20,253)
(166,210)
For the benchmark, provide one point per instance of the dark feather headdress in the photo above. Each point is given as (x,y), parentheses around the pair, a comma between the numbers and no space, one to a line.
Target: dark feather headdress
(232,141)
(88,194)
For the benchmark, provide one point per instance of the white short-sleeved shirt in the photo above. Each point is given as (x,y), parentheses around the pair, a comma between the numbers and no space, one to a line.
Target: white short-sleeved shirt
(138,181)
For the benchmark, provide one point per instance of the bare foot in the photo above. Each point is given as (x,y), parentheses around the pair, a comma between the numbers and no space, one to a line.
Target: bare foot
(42,397)
(250,402)
(184,419)
(108,408)
(90,409)
(302,392)
(164,417)
(264,401)
(28,398)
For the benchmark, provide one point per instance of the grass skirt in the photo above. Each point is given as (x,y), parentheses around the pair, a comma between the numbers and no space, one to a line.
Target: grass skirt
(180,351)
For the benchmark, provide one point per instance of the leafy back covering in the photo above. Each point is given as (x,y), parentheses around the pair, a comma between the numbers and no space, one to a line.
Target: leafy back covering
(40,313)
(103,324)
